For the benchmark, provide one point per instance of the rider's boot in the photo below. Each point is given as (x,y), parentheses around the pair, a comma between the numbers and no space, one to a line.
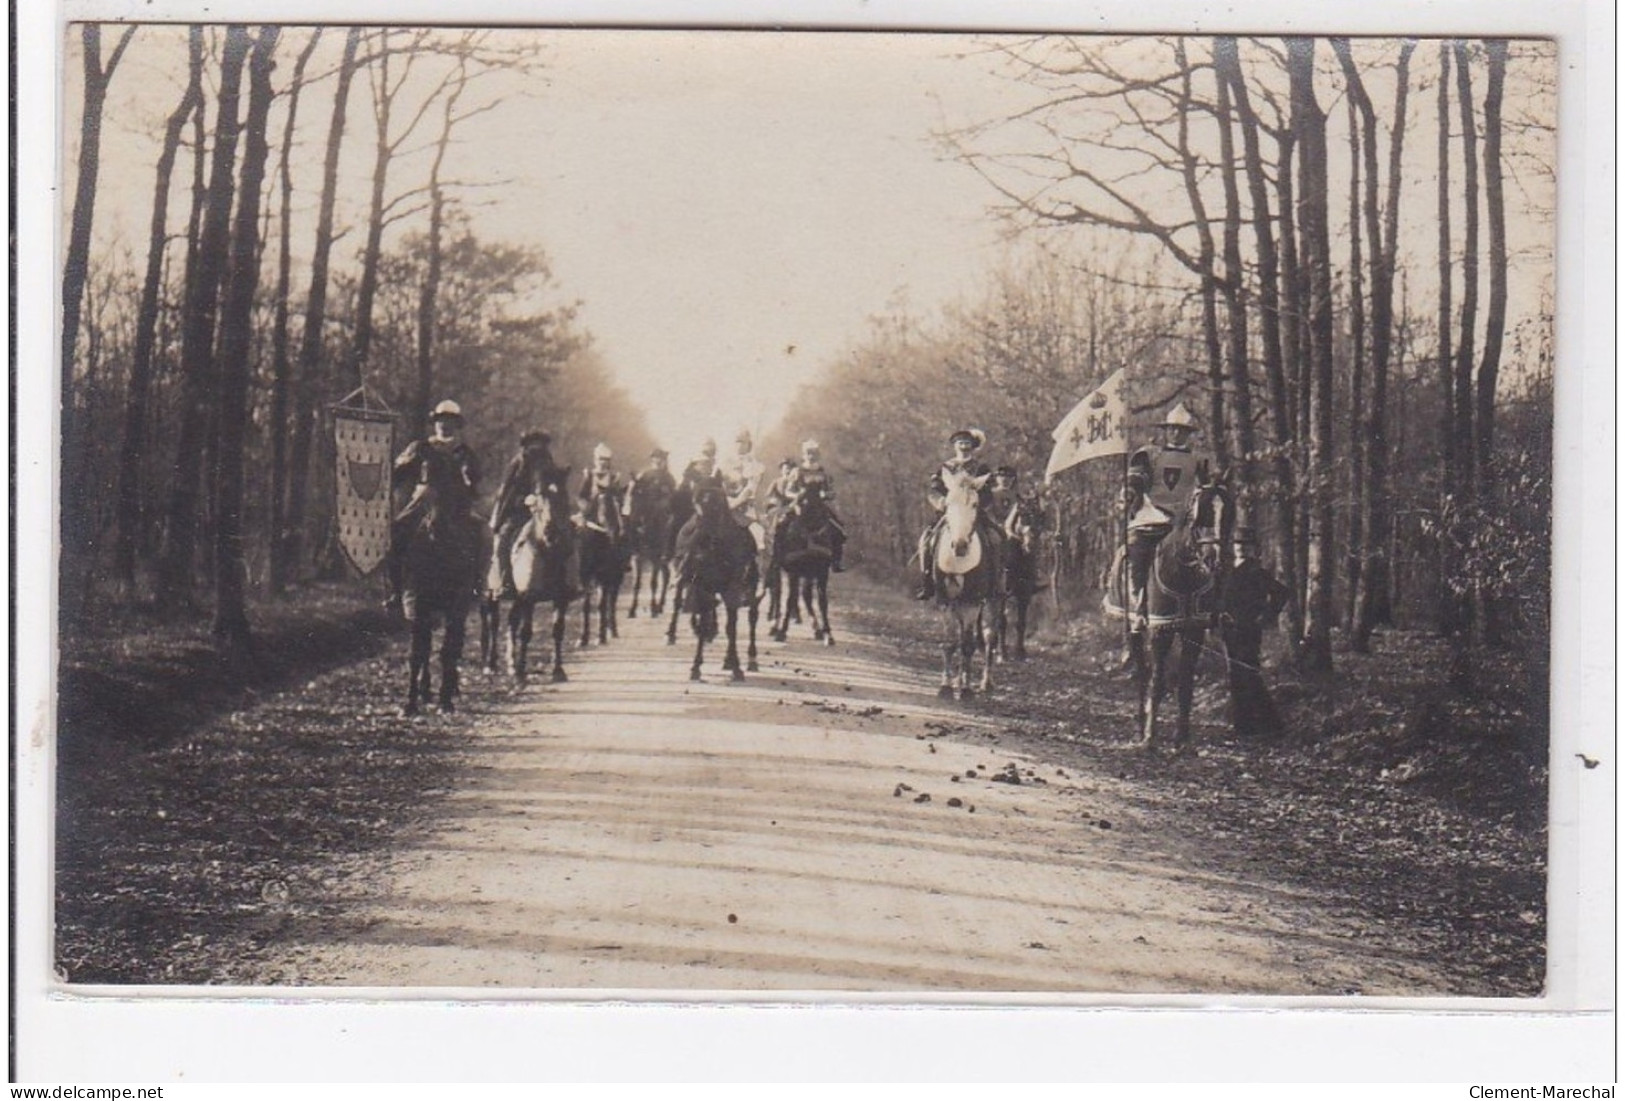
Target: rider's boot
(509,590)
(926,588)
(835,565)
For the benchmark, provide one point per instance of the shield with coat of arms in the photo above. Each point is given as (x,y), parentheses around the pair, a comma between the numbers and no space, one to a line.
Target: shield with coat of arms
(1171,476)
(364,445)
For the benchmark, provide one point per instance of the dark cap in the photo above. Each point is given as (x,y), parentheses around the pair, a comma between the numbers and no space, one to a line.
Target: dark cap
(535,438)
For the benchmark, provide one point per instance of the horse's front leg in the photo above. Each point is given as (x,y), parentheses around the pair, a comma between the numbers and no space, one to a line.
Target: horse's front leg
(1021,627)
(519,638)
(417,665)
(451,653)
(731,661)
(1161,646)
(561,616)
(986,627)
(823,608)
(637,586)
(950,645)
(586,613)
(679,594)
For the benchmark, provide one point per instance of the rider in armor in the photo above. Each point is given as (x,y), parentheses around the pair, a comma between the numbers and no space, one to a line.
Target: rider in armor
(741,474)
(810,476)
(1156,493)
(528,472)
(965,443)
(441,466)
(602,493)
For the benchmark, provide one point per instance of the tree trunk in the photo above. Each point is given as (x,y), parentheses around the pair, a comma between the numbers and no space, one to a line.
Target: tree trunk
(1485,612)
(77,525)
(1269,301)
(1354,550)
(307,384)
(130,490)
(198,331)
(1235,283)
(1448,620)
(1309,124)
(231,628)
(1216,432)
(1468,480)
(367,288)
(276,561)
(428,298)
(1371,605)
(1495,322)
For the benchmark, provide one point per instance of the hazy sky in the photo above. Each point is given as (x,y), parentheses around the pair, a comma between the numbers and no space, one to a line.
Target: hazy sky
(730,207)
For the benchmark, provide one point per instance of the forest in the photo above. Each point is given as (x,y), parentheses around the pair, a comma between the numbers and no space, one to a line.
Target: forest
(199,372)
(1306,241)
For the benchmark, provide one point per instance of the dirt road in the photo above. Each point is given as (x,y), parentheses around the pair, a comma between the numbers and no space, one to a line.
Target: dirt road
(827,825)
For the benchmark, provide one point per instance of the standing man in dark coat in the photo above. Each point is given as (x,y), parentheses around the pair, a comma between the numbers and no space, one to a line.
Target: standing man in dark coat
(1252,603)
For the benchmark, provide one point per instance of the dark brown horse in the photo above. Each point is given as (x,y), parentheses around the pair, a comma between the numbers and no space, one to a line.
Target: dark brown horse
(542,556)
(716,563)
(603,566)
(440,568)
(803,547)
(649,536)
(1184,596)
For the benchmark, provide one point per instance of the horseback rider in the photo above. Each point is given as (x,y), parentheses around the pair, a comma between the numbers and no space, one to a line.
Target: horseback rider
(810,477)
(528,472)
(965,443)
(701,470)
(602,493)
(1003,497)
(440,468)
(651,488)
(741,474)
(1156,493)
(778,494)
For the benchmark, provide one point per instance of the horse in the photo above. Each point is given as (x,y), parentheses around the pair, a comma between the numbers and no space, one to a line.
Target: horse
(717,561)
(603,566)
(802,549)
(1184,597)
(541,555)
(649,535)
(965,578)
(439,577)
(1020,561)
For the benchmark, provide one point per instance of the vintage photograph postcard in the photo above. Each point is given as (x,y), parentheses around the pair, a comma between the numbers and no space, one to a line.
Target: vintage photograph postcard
(946,516)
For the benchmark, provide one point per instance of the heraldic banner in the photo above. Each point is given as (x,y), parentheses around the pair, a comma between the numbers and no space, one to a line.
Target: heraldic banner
(1096,426)
(365,441)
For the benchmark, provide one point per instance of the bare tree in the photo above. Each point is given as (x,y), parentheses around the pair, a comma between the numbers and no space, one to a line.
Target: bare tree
(1495,197)
(1309,124)
(1227,60)
(1371,605)
(1465,353)
(236,337)
(130,490)
(276,559)
(307,382)
(198,328)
